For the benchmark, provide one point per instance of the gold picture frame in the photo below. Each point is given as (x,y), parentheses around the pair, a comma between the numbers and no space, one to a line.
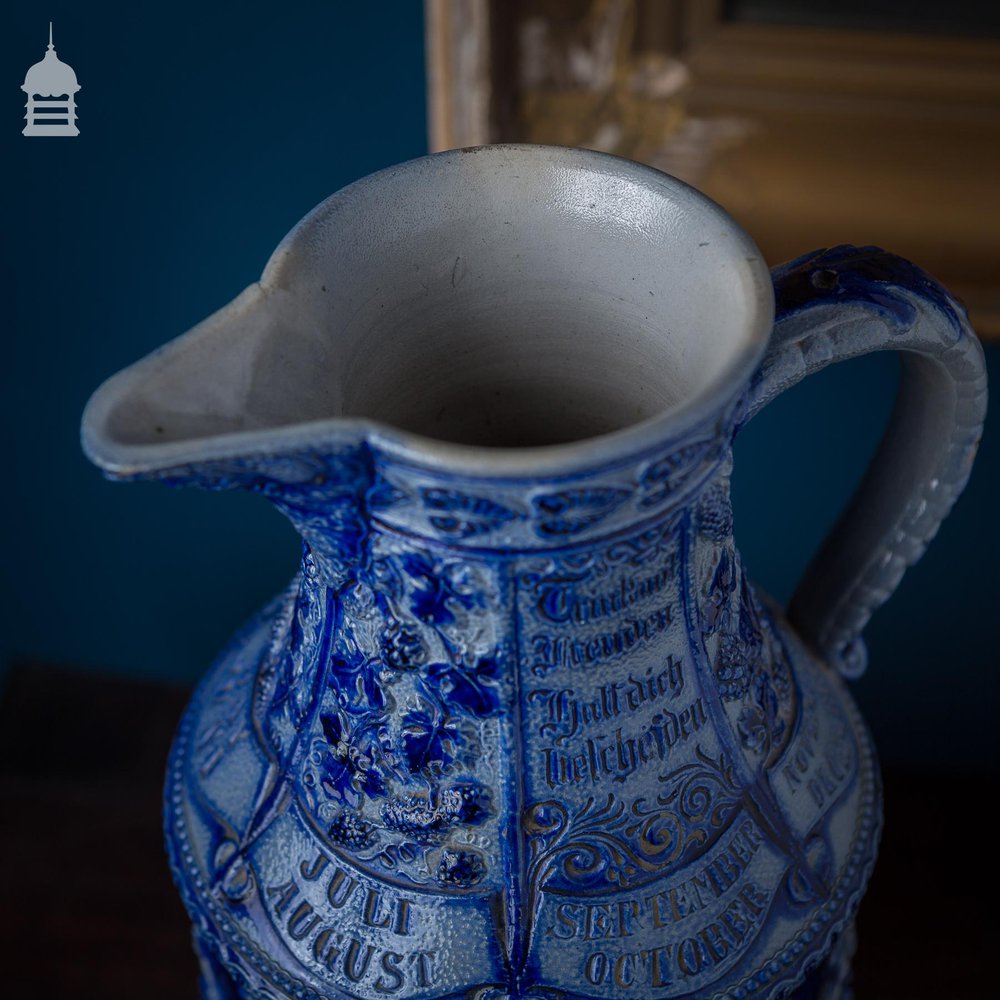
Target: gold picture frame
(807,136)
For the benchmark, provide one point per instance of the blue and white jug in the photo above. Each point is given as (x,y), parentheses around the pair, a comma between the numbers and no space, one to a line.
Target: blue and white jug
(521,727)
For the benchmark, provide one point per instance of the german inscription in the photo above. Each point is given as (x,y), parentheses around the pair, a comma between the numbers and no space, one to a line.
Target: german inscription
(675,936)
(359,934)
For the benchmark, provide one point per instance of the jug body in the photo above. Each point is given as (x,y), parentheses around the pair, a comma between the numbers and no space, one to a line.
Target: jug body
(521,727)
(531,739)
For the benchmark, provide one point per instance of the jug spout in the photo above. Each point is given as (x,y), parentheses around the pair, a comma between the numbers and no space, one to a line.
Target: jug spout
(231,387)
(236,403)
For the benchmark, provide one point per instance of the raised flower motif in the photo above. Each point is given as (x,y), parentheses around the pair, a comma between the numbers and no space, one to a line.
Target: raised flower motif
(430,741)
(460,867)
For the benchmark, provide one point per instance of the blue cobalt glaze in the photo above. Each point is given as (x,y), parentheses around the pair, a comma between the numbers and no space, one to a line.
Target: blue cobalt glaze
(352,771)
(860,274)
(533,735)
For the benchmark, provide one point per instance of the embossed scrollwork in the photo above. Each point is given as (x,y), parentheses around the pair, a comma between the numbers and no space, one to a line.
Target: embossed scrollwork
(613,845)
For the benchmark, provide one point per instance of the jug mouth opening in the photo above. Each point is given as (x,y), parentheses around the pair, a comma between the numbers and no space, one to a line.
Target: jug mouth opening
(501,310)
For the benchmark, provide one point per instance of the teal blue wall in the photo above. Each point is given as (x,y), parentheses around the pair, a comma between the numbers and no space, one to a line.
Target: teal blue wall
(207,131)
(932,693)
(205,136)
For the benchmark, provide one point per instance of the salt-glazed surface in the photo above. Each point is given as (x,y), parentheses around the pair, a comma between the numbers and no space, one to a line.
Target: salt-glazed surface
(521,727)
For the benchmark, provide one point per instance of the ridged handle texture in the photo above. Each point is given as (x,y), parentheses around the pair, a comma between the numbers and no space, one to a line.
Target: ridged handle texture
(842,303)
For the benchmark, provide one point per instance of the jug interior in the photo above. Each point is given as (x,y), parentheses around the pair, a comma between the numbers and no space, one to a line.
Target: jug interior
(504,297)
(517,362)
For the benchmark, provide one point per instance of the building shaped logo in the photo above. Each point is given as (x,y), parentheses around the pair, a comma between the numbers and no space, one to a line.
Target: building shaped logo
(51,87)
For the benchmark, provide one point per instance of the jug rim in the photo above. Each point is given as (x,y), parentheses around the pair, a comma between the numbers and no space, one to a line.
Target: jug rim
(128,459)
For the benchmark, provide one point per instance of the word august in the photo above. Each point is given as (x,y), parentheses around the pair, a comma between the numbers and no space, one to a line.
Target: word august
(344,953)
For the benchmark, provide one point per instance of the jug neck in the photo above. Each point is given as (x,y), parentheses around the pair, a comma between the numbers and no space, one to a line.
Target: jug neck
(423,575)
(341,504)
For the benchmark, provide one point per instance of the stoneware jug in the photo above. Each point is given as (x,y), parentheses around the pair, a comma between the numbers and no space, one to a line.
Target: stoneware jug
(520,727)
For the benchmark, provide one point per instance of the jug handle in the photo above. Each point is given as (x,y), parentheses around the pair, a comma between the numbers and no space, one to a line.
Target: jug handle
(841,303)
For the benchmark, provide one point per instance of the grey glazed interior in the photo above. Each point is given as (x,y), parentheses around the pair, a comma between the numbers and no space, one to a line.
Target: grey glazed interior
(503,297)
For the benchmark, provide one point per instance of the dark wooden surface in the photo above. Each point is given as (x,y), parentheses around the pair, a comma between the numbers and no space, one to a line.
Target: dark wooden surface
(87,908)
